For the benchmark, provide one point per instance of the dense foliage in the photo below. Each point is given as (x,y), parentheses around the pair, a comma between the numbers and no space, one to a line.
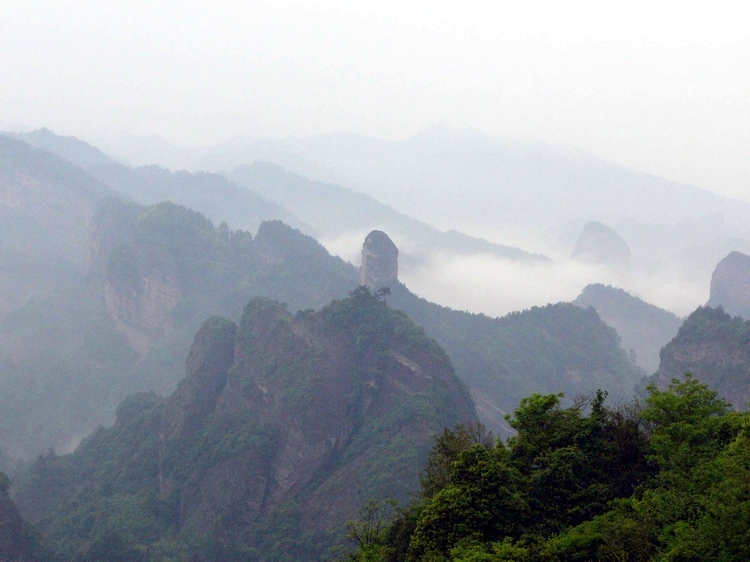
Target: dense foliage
(553,348)
(216,269)
(713,346)
(668,479)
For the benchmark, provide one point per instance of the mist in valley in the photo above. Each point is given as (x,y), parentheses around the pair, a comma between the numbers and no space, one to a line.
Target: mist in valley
(542,199)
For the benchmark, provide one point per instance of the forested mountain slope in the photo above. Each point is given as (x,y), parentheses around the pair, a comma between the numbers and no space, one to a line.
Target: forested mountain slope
(715,348)
(281,431)
(19,542)
(70,354)
(643,327)
(553,348)
(154,274)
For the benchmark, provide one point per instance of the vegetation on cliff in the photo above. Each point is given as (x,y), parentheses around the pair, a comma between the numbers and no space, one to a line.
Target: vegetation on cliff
(548,349)
(283,428)
(68,353)
(19,541)
(663,480)
(713,346)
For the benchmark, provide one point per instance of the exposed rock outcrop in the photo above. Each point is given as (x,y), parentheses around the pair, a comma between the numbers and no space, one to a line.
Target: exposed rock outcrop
(730,285)
(305,413)
(599,244)
(379,261)
(714,348)
(141,294)
(207,366)
(163,268)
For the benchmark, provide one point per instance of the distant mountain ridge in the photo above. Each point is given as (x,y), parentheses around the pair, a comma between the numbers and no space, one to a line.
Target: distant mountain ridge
(210,194)
(490,178)
(643,327)
(45,202)
(334,211)
(323,210)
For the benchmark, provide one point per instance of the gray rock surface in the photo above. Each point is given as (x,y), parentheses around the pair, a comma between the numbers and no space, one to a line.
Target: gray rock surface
(600,244)
(730,285)
(379,261)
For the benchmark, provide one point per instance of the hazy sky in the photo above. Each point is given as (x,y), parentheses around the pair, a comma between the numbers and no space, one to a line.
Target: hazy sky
(661,86)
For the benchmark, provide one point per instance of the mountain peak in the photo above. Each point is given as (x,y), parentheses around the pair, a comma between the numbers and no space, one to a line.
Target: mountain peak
(379,260)
(730,284)
(600,244)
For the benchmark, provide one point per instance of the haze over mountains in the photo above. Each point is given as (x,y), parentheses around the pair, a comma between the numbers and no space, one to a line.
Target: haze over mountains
(533,196)
(374,282)
(152,273)
(110,270)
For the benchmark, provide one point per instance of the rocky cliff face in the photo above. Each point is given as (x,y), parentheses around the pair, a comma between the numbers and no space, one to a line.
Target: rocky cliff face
(141,301)
(714,348)
(600,244)
(730,285)
(321,411)
(207,366)
(379,261)
(284,427)
(139,279)
(164,267)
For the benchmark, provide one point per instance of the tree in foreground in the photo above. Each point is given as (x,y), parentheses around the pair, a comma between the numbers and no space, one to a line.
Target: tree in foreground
(666,479)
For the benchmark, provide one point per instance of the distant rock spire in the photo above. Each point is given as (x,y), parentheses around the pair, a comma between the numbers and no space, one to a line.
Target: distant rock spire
(379,261)
(730,285)
(600,244)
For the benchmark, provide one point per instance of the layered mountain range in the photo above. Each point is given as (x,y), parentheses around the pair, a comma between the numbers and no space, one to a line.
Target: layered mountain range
(309,390)
(644,329)
(149,275)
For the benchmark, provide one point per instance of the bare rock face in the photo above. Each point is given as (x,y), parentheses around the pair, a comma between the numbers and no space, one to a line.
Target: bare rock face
(207,367)
(141,293)
(599,244)
(379,261)
(730,285)
(302,410)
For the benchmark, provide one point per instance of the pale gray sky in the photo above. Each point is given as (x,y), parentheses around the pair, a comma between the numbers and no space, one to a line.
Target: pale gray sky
(661,86)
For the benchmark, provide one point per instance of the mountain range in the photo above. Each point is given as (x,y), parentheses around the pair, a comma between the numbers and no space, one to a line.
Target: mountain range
(305,393)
